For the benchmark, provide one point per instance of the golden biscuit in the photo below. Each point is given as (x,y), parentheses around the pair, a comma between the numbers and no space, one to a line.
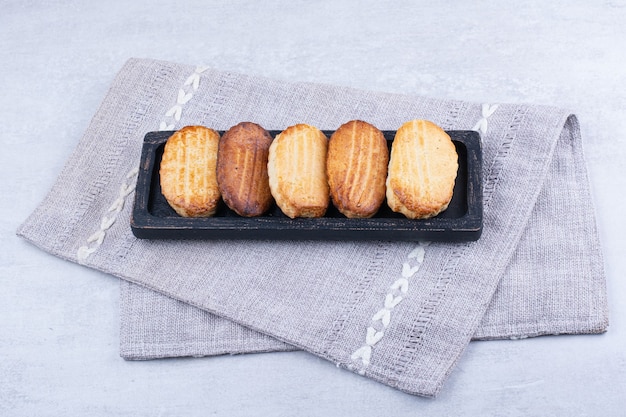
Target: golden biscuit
(297,171)
(422,170)
(188,171)
(357,169)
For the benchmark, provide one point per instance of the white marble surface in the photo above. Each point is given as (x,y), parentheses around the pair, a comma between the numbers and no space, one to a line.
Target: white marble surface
(59,321)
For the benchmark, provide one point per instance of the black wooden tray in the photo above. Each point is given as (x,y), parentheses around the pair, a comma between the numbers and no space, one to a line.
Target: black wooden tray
(153,218)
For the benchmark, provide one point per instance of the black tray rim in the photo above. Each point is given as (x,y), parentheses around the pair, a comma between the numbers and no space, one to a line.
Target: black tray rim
(468,227)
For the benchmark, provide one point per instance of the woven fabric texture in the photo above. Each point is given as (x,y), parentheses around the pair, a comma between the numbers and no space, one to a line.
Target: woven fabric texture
(401,313)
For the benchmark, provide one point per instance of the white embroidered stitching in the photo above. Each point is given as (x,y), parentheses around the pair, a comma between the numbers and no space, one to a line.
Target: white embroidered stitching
(382,318)
(185,93)
(106,222)
(392,299)
(175,112)
(481,125)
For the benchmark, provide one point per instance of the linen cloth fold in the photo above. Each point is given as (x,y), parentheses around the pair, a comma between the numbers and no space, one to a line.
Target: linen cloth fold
(401,313)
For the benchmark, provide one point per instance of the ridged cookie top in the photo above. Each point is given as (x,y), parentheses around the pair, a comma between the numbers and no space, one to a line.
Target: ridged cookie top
(357,168)
(187,171)
(422,170)
(242,169)
(297,171)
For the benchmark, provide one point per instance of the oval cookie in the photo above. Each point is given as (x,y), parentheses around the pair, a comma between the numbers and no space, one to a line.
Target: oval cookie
(242,169)
(357,169)
(297,171)
(188,171)
(422,170)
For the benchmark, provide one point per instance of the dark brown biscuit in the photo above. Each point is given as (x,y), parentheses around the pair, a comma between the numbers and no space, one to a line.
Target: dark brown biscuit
(242,169)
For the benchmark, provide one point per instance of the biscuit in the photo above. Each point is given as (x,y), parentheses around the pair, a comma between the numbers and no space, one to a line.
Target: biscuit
(297,171)
(356,166)
(242,169)
(188,171)
(422,170)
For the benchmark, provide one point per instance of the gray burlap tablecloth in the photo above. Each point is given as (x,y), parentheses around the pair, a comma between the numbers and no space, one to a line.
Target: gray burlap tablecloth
(401,313)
